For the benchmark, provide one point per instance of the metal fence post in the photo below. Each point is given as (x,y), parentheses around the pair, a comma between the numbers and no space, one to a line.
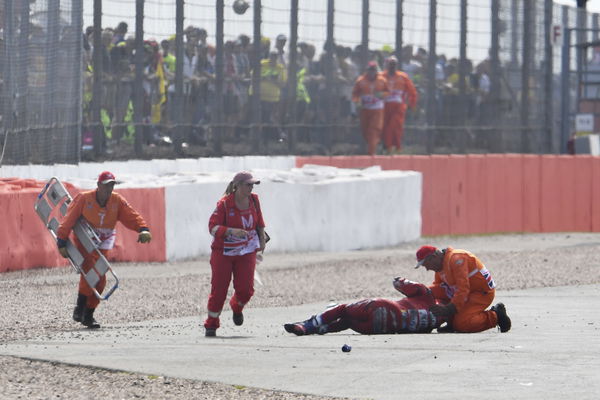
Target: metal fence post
(326,135)
(580,37)
(292,87)
(48,154)
(399,29)
(580,51)
(431,84)
(77,24)
(99,137)
(565,96)
(22,92)
(365,35)
(255,106)
(548,84)
(8,84)
(496,142)
(138,89)
(526,139)
(217,129)
(514,32)
(177,106)
(69,92)
(462,74)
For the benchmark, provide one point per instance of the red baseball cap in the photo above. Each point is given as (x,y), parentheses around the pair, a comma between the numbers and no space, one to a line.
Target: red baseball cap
(106,177)
(245,177)
(372,65)
(423,253)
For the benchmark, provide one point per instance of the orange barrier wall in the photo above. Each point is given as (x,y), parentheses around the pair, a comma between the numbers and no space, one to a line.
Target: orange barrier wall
(497,192)
(595,188)
(25,242)
(150,203)
(532,195)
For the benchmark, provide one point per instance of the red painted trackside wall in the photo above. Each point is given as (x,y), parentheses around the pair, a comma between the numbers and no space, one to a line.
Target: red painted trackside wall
(150,203)
(467,194)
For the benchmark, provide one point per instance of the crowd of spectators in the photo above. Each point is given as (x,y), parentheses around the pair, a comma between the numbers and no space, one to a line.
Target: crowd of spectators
(319,106)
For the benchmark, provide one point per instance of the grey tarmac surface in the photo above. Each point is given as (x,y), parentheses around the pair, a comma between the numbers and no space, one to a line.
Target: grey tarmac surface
(552,351)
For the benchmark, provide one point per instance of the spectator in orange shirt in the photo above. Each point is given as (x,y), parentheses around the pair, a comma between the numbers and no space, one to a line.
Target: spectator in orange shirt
(403,94)
(101,208)
(369,91)
(466,288)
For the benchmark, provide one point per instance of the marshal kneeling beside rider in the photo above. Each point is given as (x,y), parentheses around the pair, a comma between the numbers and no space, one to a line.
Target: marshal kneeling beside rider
(465,288)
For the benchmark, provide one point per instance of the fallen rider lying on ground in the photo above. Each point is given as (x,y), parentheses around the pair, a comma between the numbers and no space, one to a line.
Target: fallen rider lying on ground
(377,316)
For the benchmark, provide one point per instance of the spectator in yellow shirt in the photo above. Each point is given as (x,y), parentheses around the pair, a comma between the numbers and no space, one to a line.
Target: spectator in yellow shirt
(273,79)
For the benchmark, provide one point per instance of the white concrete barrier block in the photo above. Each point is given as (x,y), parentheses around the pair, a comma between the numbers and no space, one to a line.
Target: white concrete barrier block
(283,162)
(356,211)
(207,164)
(595,145)
(62,171)
(165,167)
(187,165)
(141,167)
(588,144)
(117,167)
(188,209)
(233,164)
(343,215)
(13,171)
(92,170)
(26,171)
(42,172)
(269,162)
(257,162)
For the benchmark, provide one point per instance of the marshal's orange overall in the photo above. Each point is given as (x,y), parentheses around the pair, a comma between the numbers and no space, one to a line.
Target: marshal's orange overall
(465,282)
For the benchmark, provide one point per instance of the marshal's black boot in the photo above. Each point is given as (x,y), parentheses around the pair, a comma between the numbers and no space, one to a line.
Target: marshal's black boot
(88,318)
(78,310)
